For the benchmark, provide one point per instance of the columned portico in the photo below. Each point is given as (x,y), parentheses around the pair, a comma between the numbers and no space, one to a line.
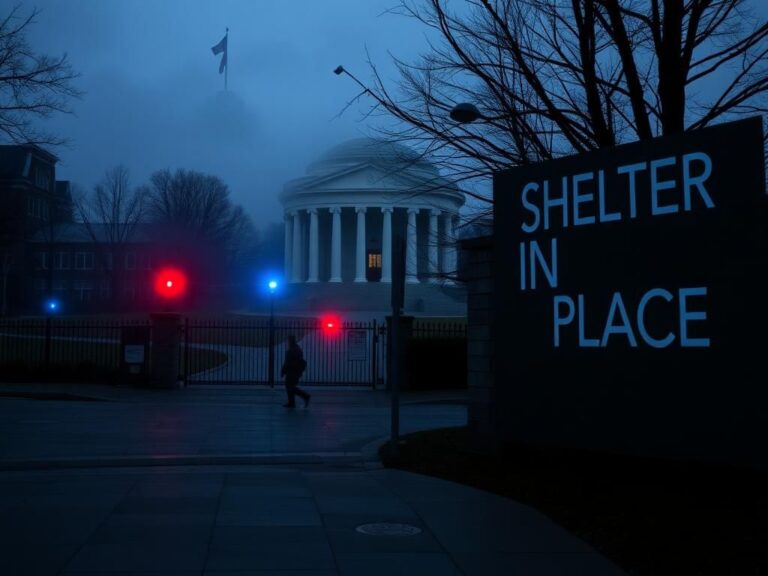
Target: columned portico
(342,218)
(432,246)
(335,244)
(288,271)
(386,245)
(296,258)
(411,247)
(449,246)
(361,244)
(314,248)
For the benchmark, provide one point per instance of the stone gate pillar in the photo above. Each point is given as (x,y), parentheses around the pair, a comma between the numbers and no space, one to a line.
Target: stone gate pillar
(166,339)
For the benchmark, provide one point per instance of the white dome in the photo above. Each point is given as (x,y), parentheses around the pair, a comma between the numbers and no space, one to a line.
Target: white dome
(370,150)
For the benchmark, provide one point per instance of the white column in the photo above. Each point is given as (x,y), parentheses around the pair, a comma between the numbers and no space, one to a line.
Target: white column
(449,247)
(386,245)
(336,245)
(314,246)
(432,247)
(296,259)
(360,256)
(288,248)
(411,267)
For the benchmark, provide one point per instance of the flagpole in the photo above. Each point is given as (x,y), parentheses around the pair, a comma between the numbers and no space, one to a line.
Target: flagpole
(226,68)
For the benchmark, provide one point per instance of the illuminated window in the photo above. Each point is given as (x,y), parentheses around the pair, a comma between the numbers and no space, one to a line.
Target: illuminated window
(374,260)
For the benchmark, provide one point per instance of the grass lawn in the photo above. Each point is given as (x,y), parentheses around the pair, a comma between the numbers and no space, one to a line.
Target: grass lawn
(651,517)
(80,359)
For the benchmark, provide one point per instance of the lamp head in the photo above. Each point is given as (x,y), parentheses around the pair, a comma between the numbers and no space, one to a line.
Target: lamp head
(464,113)
(338,70)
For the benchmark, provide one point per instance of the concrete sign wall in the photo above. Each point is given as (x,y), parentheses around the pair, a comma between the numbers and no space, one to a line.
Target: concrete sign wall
(631,298)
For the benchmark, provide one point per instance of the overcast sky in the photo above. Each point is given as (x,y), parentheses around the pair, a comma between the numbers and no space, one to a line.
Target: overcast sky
(153,94)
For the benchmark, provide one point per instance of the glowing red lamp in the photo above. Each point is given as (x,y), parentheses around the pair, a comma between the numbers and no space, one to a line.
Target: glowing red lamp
(170,283)
(330,324)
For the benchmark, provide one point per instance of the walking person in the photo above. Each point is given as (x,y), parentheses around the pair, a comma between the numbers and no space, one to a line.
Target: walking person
(293,367)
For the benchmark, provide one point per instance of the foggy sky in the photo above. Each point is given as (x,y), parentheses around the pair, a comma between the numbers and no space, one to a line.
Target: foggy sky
(154,98)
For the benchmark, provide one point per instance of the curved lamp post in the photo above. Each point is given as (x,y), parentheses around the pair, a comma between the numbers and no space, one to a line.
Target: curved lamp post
(272,285)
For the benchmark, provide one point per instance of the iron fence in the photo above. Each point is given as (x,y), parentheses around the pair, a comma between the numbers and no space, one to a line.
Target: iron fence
(252,351)
(62,348)
(226,351)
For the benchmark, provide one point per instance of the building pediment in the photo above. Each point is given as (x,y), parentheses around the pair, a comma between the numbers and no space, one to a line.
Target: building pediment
(373,177)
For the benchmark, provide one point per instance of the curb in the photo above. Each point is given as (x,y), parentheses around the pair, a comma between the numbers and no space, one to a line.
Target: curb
(51,396)
(217,460)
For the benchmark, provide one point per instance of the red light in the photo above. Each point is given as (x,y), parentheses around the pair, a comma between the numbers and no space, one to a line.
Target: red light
(330,324)
(170,283)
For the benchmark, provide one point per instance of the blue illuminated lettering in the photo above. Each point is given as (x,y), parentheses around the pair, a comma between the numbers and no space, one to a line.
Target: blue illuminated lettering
(686,316)
(632,170)
(550,271)
(529,228)
(581,198)
(561,202)
(624,328)
(657,186)
(604,216)
(698,181)
(559,321)
(654,342)
(584,342)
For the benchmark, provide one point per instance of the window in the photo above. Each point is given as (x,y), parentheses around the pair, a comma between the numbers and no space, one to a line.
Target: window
(41,260)
(105,290)
(145,261)
(83,260)
(84,291)
(130,261)
(42,179)
(61,261)
(107,261)
(374,260)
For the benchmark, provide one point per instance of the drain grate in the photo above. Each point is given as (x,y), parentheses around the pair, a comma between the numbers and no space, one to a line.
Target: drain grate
(388,529)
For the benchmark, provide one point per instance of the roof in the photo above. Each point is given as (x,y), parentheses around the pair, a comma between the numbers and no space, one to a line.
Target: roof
(385,167)
(369,150)
(79,233)
(13,159)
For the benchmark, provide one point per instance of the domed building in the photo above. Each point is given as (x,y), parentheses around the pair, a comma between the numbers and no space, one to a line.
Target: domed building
(341,220)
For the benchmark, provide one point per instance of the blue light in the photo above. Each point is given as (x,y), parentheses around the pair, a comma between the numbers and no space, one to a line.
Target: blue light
(272,285)
(52,306)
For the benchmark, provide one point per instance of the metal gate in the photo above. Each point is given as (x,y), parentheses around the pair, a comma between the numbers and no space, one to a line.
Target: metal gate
(252,351)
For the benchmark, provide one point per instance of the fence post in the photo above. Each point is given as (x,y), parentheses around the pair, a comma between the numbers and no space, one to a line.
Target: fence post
(165,349)
(47,344)
(374,345)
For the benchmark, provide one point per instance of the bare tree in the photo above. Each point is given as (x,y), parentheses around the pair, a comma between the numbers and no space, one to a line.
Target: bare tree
(111,215)
(114,207)
(32,86)
(198,209)
(558,77)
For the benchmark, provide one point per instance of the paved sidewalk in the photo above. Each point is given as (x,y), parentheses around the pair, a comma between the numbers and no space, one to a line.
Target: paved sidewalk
(226,481)
(270,521)
(229,425)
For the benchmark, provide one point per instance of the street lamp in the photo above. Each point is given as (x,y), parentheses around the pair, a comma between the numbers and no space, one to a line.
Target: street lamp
(465,113)
(272,285)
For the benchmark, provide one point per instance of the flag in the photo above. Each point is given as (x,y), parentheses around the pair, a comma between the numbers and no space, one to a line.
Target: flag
(218,49)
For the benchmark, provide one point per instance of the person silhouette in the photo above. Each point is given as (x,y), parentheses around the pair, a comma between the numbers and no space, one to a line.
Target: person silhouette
(293,367)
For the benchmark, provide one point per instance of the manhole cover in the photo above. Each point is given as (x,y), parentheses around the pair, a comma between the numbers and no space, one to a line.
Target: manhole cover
(388,529)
